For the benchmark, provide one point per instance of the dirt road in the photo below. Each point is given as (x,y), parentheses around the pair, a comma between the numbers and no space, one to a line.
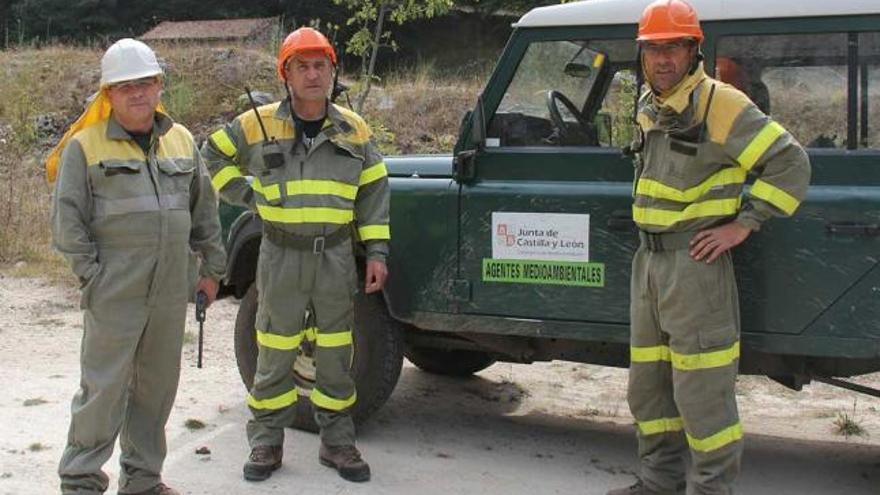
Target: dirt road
(513,429)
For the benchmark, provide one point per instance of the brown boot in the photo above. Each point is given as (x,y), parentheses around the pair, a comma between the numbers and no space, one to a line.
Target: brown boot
(346,460)
(263,460)
(160,489)
(639,488)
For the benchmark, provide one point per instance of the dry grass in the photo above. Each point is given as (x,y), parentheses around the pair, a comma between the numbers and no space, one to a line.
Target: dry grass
(847,425)
(44,91)
(423,110)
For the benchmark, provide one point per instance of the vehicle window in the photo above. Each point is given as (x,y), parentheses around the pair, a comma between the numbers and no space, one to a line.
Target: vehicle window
(869,90)
(556,95)
(798,79)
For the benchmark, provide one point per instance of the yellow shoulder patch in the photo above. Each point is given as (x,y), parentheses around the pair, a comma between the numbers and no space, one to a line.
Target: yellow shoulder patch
(96,147)
(176,143)
(644,121)
(279,129)
(360,133)
(727,103)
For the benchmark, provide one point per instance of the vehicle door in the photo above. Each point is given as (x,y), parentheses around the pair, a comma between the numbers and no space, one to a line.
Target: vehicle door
(822,84)
(544,217)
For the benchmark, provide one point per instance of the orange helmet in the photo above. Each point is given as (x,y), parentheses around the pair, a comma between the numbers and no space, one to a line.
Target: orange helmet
(669,19)
(304,39)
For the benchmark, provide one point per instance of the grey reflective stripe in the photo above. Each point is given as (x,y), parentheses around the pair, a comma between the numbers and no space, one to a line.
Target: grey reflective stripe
(139,204)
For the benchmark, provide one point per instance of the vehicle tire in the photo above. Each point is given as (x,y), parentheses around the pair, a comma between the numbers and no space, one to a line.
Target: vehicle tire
(449,362)
(378,357)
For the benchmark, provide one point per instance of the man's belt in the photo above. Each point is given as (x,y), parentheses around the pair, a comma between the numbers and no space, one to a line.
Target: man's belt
(314,243)
(666,241)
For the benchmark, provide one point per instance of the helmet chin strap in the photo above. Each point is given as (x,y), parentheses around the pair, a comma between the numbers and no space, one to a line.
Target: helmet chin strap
(695,64)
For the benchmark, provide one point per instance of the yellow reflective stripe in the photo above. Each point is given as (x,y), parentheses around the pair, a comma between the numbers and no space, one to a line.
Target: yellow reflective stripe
(666,218)
(278,402)
(649,354)
(334,339)
(775,196)
(373,173)
(270,192)
(763,140)
(371,232)
(296,187)
(685,362)
(304,215)
(724,437)
(311,334)
(280,342)
(223,143)
(655,189)
(597,62)
(662,425)
(704,360)
(225,175)
(324,401)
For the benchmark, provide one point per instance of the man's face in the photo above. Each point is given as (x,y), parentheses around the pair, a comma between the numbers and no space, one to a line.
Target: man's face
(135,101)
(309,76)
(667,62)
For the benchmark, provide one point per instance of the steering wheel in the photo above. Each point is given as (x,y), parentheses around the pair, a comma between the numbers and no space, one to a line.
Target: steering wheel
(562,129)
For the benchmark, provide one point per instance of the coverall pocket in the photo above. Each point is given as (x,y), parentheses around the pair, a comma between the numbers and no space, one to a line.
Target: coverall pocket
(717,336)
(718,285)
(85,301)
(177,176)
(112,168)
(681,157)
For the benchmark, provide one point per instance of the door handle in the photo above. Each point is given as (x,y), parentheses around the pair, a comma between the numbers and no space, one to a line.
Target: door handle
(853,229)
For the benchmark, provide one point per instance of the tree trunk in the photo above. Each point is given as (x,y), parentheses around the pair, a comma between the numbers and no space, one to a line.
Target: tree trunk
(377,39)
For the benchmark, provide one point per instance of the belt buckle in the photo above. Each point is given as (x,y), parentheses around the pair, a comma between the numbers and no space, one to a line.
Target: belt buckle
(318,245)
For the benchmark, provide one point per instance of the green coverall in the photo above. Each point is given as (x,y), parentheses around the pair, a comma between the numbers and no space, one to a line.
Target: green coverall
(699,144)
(129,225)
(307,202)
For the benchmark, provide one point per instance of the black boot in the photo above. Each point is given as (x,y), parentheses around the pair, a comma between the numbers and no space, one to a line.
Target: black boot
(263,460)
(346,460)
(639,488)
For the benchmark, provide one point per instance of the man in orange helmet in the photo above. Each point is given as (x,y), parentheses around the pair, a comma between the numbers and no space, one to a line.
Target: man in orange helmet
(316,174)
(699,139)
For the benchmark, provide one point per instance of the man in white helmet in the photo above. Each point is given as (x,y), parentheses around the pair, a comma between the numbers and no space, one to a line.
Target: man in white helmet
(133,201)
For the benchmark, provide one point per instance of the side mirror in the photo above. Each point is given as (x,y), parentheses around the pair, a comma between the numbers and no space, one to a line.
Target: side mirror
(478,125)
(464,164)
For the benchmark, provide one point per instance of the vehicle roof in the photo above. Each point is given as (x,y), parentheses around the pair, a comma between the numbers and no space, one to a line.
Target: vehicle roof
(595,12)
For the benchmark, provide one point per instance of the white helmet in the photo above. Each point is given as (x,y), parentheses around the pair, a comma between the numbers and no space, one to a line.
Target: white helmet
(126,60)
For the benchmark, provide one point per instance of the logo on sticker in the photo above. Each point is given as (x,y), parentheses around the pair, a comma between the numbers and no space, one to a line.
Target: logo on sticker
(503,237)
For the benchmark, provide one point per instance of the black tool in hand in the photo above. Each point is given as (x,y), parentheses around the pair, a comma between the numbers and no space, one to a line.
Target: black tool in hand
(201,306)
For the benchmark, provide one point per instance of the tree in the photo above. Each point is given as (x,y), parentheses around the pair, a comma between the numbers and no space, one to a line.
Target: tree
(368,17)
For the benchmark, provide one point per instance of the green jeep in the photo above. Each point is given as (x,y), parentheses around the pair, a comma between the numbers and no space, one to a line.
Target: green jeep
(517,246)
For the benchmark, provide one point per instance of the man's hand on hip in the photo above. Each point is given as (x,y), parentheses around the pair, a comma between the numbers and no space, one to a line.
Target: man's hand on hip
(210,287)
(709,244)
(377,272)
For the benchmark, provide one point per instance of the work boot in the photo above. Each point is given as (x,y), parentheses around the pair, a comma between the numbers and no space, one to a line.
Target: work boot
(346,460)
(160,489)
(263,460)
(639,488)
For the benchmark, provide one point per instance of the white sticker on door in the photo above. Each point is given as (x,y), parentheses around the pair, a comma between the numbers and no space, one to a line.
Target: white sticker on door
(541,236)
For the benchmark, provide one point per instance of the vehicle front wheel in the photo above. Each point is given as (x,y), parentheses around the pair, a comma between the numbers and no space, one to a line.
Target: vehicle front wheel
(449,362)
(378,357)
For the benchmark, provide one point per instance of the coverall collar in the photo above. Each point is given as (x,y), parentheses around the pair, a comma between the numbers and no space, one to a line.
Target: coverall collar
(334,117)
(679,97)
(161,124)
